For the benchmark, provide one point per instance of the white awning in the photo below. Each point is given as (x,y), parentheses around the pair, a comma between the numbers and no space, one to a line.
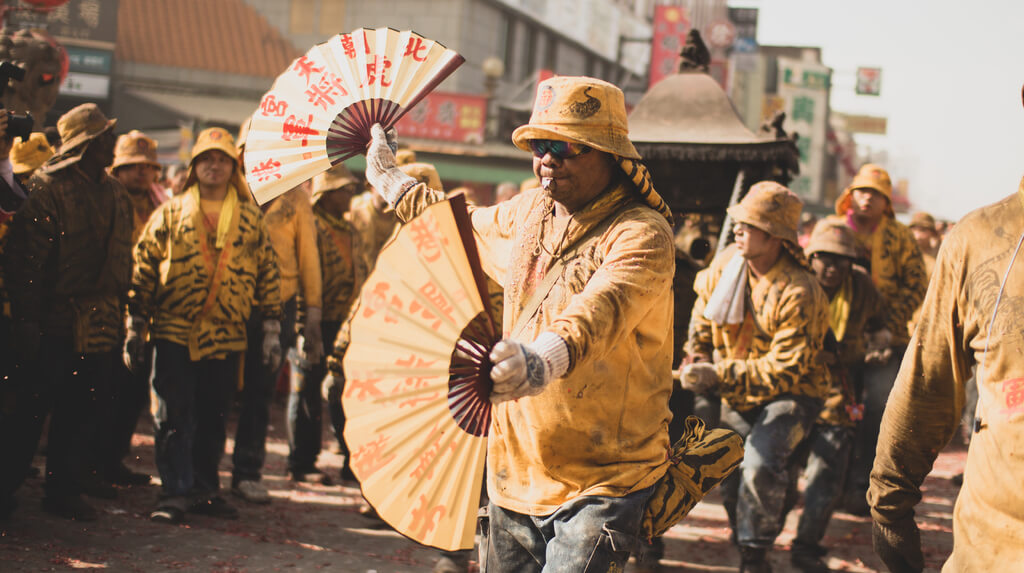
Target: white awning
(204,108)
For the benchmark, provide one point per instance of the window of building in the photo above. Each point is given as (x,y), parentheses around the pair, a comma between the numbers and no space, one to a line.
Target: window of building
(551,52)
(530,52)
(302,16)
(332,16)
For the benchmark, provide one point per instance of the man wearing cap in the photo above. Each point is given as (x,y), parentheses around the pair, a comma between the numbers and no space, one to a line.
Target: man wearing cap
(69,265)
(898,271)
(756,331)
(570,466)
(853,303)
(136,168)
(337,243)
(203,263)
(922,225)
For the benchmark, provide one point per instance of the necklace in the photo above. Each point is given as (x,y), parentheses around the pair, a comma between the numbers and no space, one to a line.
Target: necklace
(561,242)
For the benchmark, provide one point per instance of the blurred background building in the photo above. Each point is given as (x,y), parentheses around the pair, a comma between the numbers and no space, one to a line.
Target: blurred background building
(171,68)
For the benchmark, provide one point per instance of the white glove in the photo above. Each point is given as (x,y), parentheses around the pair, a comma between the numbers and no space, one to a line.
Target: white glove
(135,343)
(381,169)
(272,343)
(310,344)
(525,369)
(330,385)
(878,349)
(699,377)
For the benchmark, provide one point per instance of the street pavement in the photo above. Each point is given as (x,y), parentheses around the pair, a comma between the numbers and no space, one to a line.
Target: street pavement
(315,527)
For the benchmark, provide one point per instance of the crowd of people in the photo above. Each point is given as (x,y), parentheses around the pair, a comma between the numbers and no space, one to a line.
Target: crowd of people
(125,285)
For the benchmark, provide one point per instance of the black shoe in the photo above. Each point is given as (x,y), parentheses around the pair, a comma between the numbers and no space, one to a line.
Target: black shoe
(347,475)
(69,507)
(958,479)
(215,507)
(7,507)
(121,474)
(808,559)
(167,514)
(754,560)
(314,476)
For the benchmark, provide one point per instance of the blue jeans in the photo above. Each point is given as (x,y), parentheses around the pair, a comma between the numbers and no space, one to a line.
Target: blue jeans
(192,400)
(755,496)
(305,407)
(256,395)
(878,382)
(586,534)
(827,462)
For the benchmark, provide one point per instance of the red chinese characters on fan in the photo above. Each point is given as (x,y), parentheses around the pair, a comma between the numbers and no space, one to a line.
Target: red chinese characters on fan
(270,106)
(266,170)
(426,516)
(369,457)
(295,128)
(414,47)
(425,468)
(427,238)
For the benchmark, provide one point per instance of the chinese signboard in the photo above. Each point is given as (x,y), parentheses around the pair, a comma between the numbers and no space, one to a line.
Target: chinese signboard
(804,87)
(88,73)
(861,123)
(869,81)
(671,24)
(90,23)
(448,117)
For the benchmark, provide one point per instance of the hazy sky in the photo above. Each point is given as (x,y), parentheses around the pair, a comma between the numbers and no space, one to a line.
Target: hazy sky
(951,86)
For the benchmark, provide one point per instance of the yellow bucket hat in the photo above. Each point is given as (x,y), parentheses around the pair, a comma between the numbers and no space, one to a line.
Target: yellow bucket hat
(772,208)
(922,220)
(592,112)
(220,139)
(403,156)
(334,178)
(27,156)
(833,237)
(134,148)
(870,176)
(424,173)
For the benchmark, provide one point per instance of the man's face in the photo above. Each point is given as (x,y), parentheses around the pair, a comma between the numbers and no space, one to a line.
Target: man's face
(868,203)
(830,268)
(754,243)
(214,168)
(137,177)
(338,201)
(101,149)
(924,237)
(573,181)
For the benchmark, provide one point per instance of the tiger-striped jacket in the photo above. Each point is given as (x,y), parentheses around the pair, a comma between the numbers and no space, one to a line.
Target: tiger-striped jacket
(338,243)
(177,265)
(778,352)
(69,257)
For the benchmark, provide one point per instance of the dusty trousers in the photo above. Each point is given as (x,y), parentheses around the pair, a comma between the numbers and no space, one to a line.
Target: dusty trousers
(755,495)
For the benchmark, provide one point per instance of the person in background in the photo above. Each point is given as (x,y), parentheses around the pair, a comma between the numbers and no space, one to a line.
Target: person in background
(290,222)
(928,239)
(853,301)
(67,271)
(337,243)
(27,156)
(807,224)
(898,272)
(505,191)
(756,333)
(203,265)
(135,166)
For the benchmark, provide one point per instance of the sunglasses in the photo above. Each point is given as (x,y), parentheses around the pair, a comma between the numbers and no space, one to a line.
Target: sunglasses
(559,149)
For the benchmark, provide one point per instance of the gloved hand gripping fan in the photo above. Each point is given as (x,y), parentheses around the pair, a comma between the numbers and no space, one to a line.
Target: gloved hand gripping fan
(319,111)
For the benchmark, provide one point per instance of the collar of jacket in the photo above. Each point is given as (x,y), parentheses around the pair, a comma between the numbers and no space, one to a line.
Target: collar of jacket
(593,213)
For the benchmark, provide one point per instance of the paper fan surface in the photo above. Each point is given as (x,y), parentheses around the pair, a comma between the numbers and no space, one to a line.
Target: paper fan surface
(319,111)
(416,386)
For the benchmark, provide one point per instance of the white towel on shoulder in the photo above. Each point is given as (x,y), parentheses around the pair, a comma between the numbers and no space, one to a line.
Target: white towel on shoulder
(725,306)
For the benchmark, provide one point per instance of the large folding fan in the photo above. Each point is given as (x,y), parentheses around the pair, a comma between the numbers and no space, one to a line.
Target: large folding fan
(417,379)
(319,111)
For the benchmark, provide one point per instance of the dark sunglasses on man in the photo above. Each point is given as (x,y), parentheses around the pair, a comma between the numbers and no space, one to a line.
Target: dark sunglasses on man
(559,149)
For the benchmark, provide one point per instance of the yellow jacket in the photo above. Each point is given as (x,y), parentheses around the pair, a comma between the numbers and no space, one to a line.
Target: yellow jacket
(337,243)
(292,229)
(923,411)
(69,257)
(375,228)
(194,294)
(601,429)
(864,302)
(775,353)
(898,271)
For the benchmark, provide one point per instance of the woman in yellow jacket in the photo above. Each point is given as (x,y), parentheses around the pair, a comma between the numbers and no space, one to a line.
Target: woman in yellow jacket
(202,264)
